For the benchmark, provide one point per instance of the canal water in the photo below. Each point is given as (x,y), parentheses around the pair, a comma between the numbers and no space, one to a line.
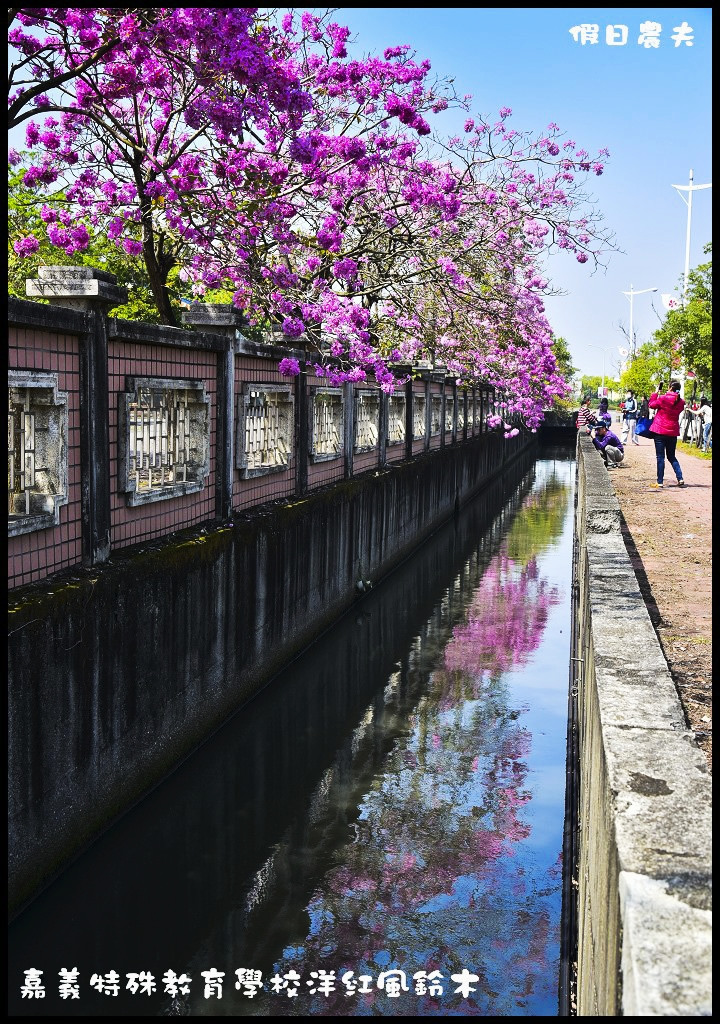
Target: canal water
(379,833)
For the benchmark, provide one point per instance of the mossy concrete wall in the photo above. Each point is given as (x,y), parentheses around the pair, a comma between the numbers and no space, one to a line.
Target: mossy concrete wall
(644,872)
(117,673)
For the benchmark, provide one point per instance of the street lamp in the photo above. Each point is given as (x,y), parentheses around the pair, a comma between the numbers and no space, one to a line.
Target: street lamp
(689,188)
(630,295)
(603,350)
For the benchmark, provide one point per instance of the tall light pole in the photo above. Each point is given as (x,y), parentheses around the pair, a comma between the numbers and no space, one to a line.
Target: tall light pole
(689,188)
(631,295)
(603,350)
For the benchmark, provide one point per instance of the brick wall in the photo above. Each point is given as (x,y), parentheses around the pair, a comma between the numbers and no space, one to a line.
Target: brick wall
(33,556)
(83,347)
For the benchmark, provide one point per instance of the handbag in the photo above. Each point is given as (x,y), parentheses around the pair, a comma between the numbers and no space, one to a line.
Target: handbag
(642,428)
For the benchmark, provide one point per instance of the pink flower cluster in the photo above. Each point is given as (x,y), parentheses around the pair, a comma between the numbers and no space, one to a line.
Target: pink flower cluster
(261,156)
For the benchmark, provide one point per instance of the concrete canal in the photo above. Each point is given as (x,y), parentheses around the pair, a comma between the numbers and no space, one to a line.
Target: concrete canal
(378,833)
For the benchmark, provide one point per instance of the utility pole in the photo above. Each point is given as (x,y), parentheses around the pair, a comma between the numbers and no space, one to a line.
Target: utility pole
(689,188)
(630,295)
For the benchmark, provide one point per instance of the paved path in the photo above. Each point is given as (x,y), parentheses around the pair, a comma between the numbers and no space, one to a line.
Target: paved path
(669,536)
(695,499)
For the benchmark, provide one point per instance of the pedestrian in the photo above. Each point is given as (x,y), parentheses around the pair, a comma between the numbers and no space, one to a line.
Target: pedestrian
(644,408)
(707,427)
(585,416)
(603,415)
(666,430)
(704,415)
(630,413)
(609,445)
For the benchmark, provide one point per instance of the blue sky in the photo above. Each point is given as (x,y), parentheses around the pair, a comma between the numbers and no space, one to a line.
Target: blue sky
(649,107)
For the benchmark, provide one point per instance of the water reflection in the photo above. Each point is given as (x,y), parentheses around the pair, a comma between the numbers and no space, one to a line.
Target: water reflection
(436,877)
(393,804)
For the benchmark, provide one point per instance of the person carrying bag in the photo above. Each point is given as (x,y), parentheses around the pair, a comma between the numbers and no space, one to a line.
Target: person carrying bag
(665,431)
(643,427)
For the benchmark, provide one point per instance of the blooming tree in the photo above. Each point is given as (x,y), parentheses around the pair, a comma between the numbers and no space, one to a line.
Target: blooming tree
(261,156)
(149,95)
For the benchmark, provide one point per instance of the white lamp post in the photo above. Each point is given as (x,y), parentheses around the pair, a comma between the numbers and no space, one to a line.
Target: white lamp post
(689,188)
(603,350)
(630,295)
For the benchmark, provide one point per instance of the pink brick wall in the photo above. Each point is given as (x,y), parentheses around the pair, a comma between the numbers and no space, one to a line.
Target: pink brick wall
(33,556)
(130,525)
(363,461)
(325,471)
(259,489)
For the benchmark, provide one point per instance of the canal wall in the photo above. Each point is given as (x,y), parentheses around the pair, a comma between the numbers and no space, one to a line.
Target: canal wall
(124,656)
(643,868)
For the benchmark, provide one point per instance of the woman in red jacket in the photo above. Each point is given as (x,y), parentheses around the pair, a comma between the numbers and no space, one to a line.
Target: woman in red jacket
(666,430)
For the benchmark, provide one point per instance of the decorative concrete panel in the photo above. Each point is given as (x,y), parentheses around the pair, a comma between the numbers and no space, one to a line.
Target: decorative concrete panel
(450,401)
(266,427)
(37,451)
(396,420)
(436,423)
(419,416)
(327,424)
(164,443)
(367,420)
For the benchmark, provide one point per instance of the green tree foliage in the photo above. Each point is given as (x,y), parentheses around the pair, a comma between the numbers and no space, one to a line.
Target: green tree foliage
(686,332)
(652,364)
(589,385)
(24,218)
(563,358)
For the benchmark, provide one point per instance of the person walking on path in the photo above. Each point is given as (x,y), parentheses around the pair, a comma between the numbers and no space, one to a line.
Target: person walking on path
(704,414)
(630,418)
(706,411)
(666,430)
(609,445)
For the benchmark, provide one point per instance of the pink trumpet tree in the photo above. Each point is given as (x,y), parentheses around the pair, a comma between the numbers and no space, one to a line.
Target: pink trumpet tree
(259,155)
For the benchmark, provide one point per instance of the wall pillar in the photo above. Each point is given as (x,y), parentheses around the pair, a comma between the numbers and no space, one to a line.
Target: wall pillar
(225,320)
(348,428)
(94,292)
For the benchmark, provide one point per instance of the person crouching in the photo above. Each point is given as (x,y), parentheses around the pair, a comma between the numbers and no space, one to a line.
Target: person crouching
(609,445)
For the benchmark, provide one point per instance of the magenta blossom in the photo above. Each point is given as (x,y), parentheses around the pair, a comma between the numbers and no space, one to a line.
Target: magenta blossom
(26,246)
(289,367)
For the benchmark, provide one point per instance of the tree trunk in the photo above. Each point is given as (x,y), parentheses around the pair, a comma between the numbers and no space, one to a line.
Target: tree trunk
(157,267)
(157,275)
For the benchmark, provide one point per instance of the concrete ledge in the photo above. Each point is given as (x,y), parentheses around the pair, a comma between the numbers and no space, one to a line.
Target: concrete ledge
(644,871)
(659,783)
(157,334)
(666,953)
(22,313)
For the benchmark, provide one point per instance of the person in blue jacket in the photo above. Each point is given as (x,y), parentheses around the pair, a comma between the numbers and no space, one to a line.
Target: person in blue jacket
(609,445)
